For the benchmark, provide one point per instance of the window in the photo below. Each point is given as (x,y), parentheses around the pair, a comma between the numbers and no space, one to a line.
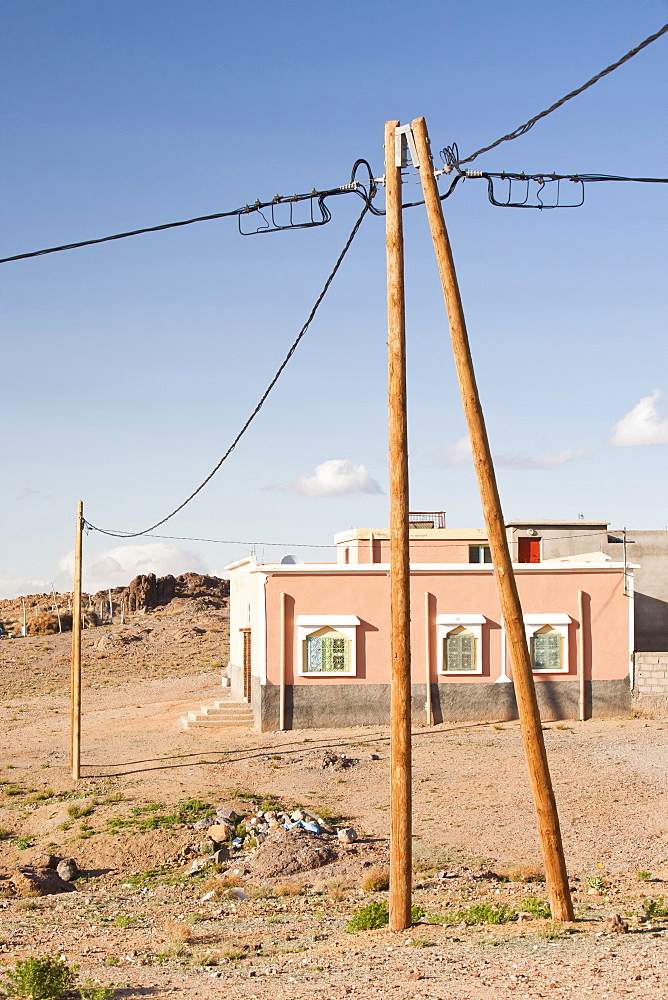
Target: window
(460,643)
(546,649)
(327,645)
(479,554)
(548,642)
(459,653)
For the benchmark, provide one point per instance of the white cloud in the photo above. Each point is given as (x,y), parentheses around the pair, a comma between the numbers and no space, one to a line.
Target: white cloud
(18,586)
(641,425)
(458,453)
(118,566)
(518,460)
(335,477)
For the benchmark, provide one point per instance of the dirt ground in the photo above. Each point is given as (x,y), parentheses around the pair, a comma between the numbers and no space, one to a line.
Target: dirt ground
(138,921)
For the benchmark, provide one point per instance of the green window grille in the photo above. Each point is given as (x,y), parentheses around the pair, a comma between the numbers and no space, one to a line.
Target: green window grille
(460,651)
(327,654)
(480,554)
(546,650)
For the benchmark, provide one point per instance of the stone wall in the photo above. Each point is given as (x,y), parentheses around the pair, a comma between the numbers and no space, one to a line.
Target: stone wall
(650,689)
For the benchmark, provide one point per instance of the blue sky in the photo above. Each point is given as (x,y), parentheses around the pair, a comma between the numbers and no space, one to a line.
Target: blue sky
(128,368)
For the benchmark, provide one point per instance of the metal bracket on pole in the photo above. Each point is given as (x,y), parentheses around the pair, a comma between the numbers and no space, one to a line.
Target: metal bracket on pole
(404,147)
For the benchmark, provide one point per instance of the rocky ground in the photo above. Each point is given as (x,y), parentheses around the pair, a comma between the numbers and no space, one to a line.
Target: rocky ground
(154,916)
(182,637)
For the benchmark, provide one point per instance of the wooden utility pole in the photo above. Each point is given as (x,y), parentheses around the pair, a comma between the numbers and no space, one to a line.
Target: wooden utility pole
(400,705)
(525,691)
(75,708)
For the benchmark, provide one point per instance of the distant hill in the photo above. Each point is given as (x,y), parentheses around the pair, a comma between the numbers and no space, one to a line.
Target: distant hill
(46,614)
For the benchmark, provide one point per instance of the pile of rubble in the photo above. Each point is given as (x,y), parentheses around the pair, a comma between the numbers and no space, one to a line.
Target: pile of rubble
(280,842)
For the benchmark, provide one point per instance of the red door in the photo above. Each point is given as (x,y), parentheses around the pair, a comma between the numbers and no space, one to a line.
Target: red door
(528,550)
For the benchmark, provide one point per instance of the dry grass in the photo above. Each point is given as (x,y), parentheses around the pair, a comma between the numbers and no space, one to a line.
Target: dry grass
(430,858)
(46,623)
(289,889)
(520,873)
(234,953)
(221,884)
(338,890)
(377,879)
(176,931)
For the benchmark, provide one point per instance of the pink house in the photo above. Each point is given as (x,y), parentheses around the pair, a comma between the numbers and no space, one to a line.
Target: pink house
(315,636)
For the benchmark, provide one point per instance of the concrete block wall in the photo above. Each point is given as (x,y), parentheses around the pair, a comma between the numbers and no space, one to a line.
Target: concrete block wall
(651,680)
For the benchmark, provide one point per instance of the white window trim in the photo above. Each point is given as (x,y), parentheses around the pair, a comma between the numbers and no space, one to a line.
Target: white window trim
(559,622)
(345,624)
(448,623)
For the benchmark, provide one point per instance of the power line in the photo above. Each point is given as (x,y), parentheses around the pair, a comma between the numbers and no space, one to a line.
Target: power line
(366,191)
(523,129)
(227,541)
(136,534)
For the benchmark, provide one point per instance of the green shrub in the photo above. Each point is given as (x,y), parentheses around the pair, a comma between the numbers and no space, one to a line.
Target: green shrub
(369,917)
(23,843)
(538,908)
(40,978)
(486,913)
(644,876)
(654,909)
(88,990)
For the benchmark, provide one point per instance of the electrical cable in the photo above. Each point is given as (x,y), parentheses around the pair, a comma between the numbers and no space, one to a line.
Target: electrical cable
(353,187)
(227,541)
(339,261)
(523,129)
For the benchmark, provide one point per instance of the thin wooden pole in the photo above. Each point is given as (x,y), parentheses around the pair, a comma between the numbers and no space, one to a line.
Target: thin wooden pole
(281,704)
(525,691)
(400,701)
(427,658)
(581,659)
(75,710)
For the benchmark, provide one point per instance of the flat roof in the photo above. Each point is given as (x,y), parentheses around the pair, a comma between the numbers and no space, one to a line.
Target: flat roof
(432,534)
(557,523)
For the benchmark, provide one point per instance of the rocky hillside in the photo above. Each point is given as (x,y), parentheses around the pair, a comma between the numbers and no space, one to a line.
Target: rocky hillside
(47,614)
(160,627)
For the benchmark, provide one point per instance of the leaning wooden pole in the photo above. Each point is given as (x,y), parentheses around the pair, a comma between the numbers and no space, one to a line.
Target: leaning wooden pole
(525,691)
(75,709)
(400,699)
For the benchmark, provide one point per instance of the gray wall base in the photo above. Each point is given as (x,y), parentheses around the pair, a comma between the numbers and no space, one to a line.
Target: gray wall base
(339,705)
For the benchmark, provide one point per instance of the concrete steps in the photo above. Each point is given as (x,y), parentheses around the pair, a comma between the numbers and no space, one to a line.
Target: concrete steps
(220,715)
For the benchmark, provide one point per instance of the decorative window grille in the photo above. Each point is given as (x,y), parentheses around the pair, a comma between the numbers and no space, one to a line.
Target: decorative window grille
(327,654)
(459,652)
(460,643)
(547,636)
(327,645)
(546,650)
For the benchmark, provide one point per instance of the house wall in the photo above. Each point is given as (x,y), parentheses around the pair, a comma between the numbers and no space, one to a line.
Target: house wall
(646,550)
(649,551)
(650,688)
(241,606)
(561,538)
(440,545)
(364,699)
